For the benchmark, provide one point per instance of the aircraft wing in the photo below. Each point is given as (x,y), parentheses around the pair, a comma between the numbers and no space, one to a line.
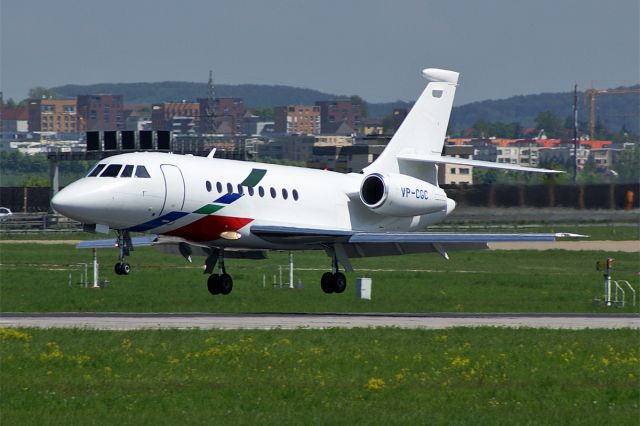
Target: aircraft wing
(143,241)
(365,244)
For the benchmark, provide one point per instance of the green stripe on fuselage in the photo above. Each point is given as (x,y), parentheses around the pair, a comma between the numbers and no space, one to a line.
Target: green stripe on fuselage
(208,209)
(254,177)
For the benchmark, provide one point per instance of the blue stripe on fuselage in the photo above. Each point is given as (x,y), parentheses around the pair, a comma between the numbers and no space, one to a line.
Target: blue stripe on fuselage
(228,198)
(159,221)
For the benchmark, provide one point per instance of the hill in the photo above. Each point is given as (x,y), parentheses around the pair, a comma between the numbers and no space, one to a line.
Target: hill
(614,111)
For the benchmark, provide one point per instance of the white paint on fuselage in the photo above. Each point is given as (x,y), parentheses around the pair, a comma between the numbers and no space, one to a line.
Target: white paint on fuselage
(327,200)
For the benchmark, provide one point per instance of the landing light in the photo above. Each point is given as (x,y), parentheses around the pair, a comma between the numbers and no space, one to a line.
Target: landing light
(231,235)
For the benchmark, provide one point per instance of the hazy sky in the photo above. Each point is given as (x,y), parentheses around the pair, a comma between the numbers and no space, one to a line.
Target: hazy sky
(372,48)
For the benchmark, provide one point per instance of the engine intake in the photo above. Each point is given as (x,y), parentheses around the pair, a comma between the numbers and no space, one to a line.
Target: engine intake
(401,195)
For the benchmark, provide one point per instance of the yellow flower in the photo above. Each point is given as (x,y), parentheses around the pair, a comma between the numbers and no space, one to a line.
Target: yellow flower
(374,384)
(12,333)
(126,344)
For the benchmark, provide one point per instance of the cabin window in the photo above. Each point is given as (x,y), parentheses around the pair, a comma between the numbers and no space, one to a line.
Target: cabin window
(251,191)
(273,192)
(219,186)
(208,185)
(96,170)
(295,194)
(141,172)
(285,194)
(240,189)
(261,191)
(127,171)
(229,188)
(112,170)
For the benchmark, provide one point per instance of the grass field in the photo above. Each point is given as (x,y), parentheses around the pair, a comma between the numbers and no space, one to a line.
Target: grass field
(372,376)
(35,278)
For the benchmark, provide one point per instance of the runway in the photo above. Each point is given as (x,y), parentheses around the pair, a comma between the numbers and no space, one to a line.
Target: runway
(268,321)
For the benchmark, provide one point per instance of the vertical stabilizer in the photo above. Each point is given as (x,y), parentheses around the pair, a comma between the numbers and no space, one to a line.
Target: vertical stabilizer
(423,130)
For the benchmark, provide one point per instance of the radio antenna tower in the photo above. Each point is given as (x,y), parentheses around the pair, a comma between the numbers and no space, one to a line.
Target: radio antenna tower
(210,109)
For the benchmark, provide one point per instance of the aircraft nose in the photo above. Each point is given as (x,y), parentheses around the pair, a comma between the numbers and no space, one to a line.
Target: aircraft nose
(451,205)
(64,202)
(78,201)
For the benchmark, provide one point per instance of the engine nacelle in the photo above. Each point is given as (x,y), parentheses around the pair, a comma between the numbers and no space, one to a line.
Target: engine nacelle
(400,195)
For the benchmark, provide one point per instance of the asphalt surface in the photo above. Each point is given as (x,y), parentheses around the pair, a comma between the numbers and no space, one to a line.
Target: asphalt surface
(129,321)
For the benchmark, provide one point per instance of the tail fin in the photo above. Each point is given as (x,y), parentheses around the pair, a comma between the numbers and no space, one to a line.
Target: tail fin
(423,130)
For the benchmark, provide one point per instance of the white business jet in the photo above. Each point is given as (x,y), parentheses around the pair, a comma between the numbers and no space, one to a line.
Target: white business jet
(234,209)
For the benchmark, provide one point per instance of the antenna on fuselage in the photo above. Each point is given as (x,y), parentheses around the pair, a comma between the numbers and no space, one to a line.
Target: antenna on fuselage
(212,153)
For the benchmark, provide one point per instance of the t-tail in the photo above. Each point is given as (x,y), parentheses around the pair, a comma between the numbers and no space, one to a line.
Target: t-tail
(409,164)
(423,131)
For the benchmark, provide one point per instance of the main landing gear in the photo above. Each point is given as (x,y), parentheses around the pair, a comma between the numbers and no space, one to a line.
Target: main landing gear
(220,283)
(126,247)
(334,281)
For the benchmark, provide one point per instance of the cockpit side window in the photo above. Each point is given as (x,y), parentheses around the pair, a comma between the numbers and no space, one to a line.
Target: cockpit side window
(96,170)
(141,172)
(112,170)
(127,171)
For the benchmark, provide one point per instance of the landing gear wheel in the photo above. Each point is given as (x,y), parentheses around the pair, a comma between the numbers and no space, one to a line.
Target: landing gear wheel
(213,284)
(326,282)
(122,268)
(339,282)
(225,283)
(125,268)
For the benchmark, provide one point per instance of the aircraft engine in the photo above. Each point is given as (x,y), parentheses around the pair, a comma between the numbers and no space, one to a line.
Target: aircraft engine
(401,195)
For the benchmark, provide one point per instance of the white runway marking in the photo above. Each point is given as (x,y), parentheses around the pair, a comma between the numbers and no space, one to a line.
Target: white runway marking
(317,321)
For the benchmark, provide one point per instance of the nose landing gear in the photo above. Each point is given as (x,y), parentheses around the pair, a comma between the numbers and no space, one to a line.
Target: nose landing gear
(126,247)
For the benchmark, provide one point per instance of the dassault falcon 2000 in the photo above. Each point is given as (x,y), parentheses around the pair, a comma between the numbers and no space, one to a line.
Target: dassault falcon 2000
(233,209)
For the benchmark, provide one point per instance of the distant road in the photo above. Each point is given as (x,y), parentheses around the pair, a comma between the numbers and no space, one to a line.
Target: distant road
(129,321)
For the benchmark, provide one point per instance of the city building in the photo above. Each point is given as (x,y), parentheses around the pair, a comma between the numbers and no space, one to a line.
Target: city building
(297,119)
(337,112)
(228,115)
(100,112)
(15,120)
(53,115)
(163,114)
(372,127)
(455,174)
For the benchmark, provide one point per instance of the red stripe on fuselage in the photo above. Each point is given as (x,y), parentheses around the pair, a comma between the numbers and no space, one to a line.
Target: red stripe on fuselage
(209,228)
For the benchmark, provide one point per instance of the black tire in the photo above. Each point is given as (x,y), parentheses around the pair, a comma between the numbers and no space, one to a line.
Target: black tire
(339,282)
(225,283)
(213,284)
(125,268)
(118,268)
(326,282)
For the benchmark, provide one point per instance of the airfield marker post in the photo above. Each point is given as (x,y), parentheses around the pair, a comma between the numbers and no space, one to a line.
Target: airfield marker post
(96,283)
(607,282)
(290,269)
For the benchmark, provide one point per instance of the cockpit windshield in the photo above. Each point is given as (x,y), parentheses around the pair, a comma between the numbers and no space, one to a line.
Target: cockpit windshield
(112,170)
(96,170)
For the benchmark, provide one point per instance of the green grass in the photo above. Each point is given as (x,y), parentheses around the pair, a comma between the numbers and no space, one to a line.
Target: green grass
(35,278)
(365,376)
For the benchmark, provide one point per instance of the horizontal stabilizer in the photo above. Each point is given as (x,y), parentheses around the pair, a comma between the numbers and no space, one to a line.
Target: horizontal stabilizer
(438,159)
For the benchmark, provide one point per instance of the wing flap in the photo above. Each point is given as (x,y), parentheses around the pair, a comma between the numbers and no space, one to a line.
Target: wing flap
(147,240)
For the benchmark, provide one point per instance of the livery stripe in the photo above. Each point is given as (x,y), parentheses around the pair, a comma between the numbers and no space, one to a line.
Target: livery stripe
(159,221)
(208,209)
(228,198)
(254,177)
